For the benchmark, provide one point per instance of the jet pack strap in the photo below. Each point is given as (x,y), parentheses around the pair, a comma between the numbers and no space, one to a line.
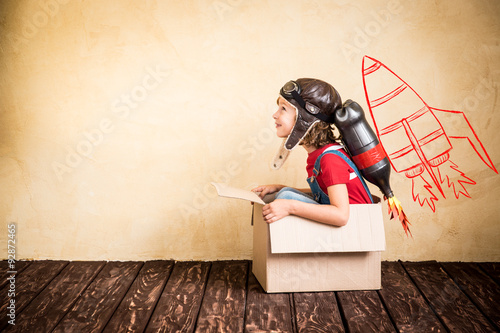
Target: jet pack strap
(348,161)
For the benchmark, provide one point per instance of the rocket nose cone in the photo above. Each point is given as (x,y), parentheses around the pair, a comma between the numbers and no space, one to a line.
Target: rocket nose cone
(368,62)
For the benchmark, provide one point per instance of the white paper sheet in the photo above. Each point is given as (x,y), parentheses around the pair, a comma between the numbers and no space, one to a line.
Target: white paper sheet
(225,190)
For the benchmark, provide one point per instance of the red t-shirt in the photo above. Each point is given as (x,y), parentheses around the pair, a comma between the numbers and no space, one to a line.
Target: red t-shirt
(334,170)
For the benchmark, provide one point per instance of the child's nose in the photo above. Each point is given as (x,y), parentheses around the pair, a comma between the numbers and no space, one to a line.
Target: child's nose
(275,115)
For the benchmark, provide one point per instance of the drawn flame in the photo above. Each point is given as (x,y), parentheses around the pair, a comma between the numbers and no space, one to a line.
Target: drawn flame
(449,175)
(458,186)
(396,210)
(422,192)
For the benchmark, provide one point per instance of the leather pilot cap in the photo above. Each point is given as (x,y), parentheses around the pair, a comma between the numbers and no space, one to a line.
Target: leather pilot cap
(314,100)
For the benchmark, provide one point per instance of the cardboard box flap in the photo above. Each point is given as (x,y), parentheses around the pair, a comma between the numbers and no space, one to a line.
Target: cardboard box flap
(363,232)
(231,192)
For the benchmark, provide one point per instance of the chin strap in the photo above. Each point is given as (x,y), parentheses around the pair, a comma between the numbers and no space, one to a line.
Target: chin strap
(280,157)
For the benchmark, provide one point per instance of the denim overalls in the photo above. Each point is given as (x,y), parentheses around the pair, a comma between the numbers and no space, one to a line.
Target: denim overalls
(317,192)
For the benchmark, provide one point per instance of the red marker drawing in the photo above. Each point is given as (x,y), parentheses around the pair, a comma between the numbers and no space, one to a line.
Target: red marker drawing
(415,136)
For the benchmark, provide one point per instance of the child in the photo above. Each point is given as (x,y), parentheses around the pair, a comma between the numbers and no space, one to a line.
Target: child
(306,110)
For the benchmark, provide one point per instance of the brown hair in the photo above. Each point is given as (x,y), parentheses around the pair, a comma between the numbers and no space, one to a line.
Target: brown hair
(319,135)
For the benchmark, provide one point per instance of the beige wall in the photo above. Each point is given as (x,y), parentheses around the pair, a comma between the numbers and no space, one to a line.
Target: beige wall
(116,115)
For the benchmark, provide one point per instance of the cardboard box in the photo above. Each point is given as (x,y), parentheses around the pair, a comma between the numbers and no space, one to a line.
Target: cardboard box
(299,255)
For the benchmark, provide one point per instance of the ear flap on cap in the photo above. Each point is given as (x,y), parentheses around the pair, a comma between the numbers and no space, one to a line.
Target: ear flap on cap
(280,157)
(298,133)
(304,122)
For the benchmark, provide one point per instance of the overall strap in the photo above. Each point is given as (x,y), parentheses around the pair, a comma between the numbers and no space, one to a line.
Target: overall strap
(334,150)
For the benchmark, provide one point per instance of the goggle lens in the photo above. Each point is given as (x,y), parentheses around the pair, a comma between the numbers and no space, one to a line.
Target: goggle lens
(289,88)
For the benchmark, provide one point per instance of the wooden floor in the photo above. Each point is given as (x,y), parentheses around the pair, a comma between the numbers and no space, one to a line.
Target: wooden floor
(224,296)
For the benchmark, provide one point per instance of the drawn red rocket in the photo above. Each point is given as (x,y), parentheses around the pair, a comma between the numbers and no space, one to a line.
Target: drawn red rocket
(415,136)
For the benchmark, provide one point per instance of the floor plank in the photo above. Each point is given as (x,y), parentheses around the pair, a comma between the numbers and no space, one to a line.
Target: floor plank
(364,312)
(28,284)
(492,269)
(19,266)
(266,312)
(47,309)
(223,305)
(481,289)
(456,311)
(405,304)
(134,311)
(95,307)
(180,301)
(317,312)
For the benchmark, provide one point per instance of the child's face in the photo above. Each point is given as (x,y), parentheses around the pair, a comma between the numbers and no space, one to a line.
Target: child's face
(284,118)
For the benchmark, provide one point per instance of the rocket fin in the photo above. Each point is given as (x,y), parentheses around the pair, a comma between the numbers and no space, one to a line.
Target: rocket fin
(453,123)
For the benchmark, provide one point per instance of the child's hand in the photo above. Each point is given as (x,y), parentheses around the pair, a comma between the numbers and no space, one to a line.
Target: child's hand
(263,190)
(276,210)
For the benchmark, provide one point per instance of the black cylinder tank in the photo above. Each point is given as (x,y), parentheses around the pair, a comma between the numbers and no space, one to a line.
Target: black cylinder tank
(363,146)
